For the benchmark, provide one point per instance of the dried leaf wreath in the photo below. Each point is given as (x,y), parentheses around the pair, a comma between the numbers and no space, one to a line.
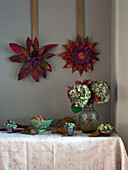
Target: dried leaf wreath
(33,58)
(80,55)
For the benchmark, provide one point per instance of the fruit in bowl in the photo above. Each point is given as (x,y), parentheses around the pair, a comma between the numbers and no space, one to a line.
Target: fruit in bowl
(41,123)
(105,129)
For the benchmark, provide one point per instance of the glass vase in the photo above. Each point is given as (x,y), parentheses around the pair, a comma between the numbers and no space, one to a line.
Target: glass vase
(9,129)
(88,119)
(70,131)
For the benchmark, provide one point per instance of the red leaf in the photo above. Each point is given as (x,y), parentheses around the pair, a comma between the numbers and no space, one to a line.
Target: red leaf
(36,44)
(62,54)
(66,46)
(78,82)
(80,72)
(35,75)
(96,98)
(17,48)
(16,58)
(43,73)
(48,47)
(23,72)
(28,43)
(73,69)
(71,42)
(68,65)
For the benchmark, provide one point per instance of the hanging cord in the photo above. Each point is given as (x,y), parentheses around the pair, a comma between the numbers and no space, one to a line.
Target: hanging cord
(34,19)
(80,18)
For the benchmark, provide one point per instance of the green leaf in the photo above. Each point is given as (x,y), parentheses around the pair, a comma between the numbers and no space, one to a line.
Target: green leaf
(76,109)
(46,65)
(48,55)
(25,65)
(23,60)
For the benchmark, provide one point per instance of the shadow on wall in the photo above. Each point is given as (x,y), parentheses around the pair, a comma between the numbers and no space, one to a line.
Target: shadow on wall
(122,133)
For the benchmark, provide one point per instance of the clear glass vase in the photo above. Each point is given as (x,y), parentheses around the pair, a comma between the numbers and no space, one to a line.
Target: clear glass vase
(88,119)
(9,129)
(70,131)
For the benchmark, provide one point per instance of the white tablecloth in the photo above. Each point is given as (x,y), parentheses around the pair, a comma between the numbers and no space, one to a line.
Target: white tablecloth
(53,152)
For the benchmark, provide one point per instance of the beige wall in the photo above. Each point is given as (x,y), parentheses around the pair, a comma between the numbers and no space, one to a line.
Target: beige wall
(120,69)
(20,100)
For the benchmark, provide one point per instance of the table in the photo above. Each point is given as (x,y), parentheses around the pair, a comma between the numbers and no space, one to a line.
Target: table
(53,152)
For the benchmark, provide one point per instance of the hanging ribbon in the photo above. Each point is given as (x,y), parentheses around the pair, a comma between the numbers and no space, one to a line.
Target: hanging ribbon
(34,19)
(80,18)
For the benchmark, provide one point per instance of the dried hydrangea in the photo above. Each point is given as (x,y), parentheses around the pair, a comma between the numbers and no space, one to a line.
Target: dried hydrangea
(101,90)
(79,95)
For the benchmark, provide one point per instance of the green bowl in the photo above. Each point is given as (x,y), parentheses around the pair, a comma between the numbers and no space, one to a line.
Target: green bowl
(41,125)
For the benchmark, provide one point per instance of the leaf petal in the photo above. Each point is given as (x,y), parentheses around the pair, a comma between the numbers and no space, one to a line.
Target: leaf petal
(78,82)
(15,58)
(62,54)
(25,65)
(80,72)
(71,42)
(42,71)
(41,51)
(23,60)
(68,65)
(73,69)
(23,72)
(35,75)
(47,56)
(46,66)
(65,46)
(31,49)
(25,52)
(28,43)
(94,44)
(36,44)
(86,39)
(76,109)
(17,48)
(78,38)
(48,47)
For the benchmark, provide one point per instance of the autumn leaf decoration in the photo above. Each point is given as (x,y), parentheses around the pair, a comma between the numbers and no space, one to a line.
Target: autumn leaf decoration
(80,55)
(33,58)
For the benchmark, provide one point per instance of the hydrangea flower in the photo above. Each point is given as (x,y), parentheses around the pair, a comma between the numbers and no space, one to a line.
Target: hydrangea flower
(79,95)
(88,92)
(101,90)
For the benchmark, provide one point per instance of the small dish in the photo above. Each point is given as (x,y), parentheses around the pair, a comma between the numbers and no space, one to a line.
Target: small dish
(106,132)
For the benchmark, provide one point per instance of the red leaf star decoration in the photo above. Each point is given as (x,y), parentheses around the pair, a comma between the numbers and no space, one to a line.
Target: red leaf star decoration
(33,58)
(80,55)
